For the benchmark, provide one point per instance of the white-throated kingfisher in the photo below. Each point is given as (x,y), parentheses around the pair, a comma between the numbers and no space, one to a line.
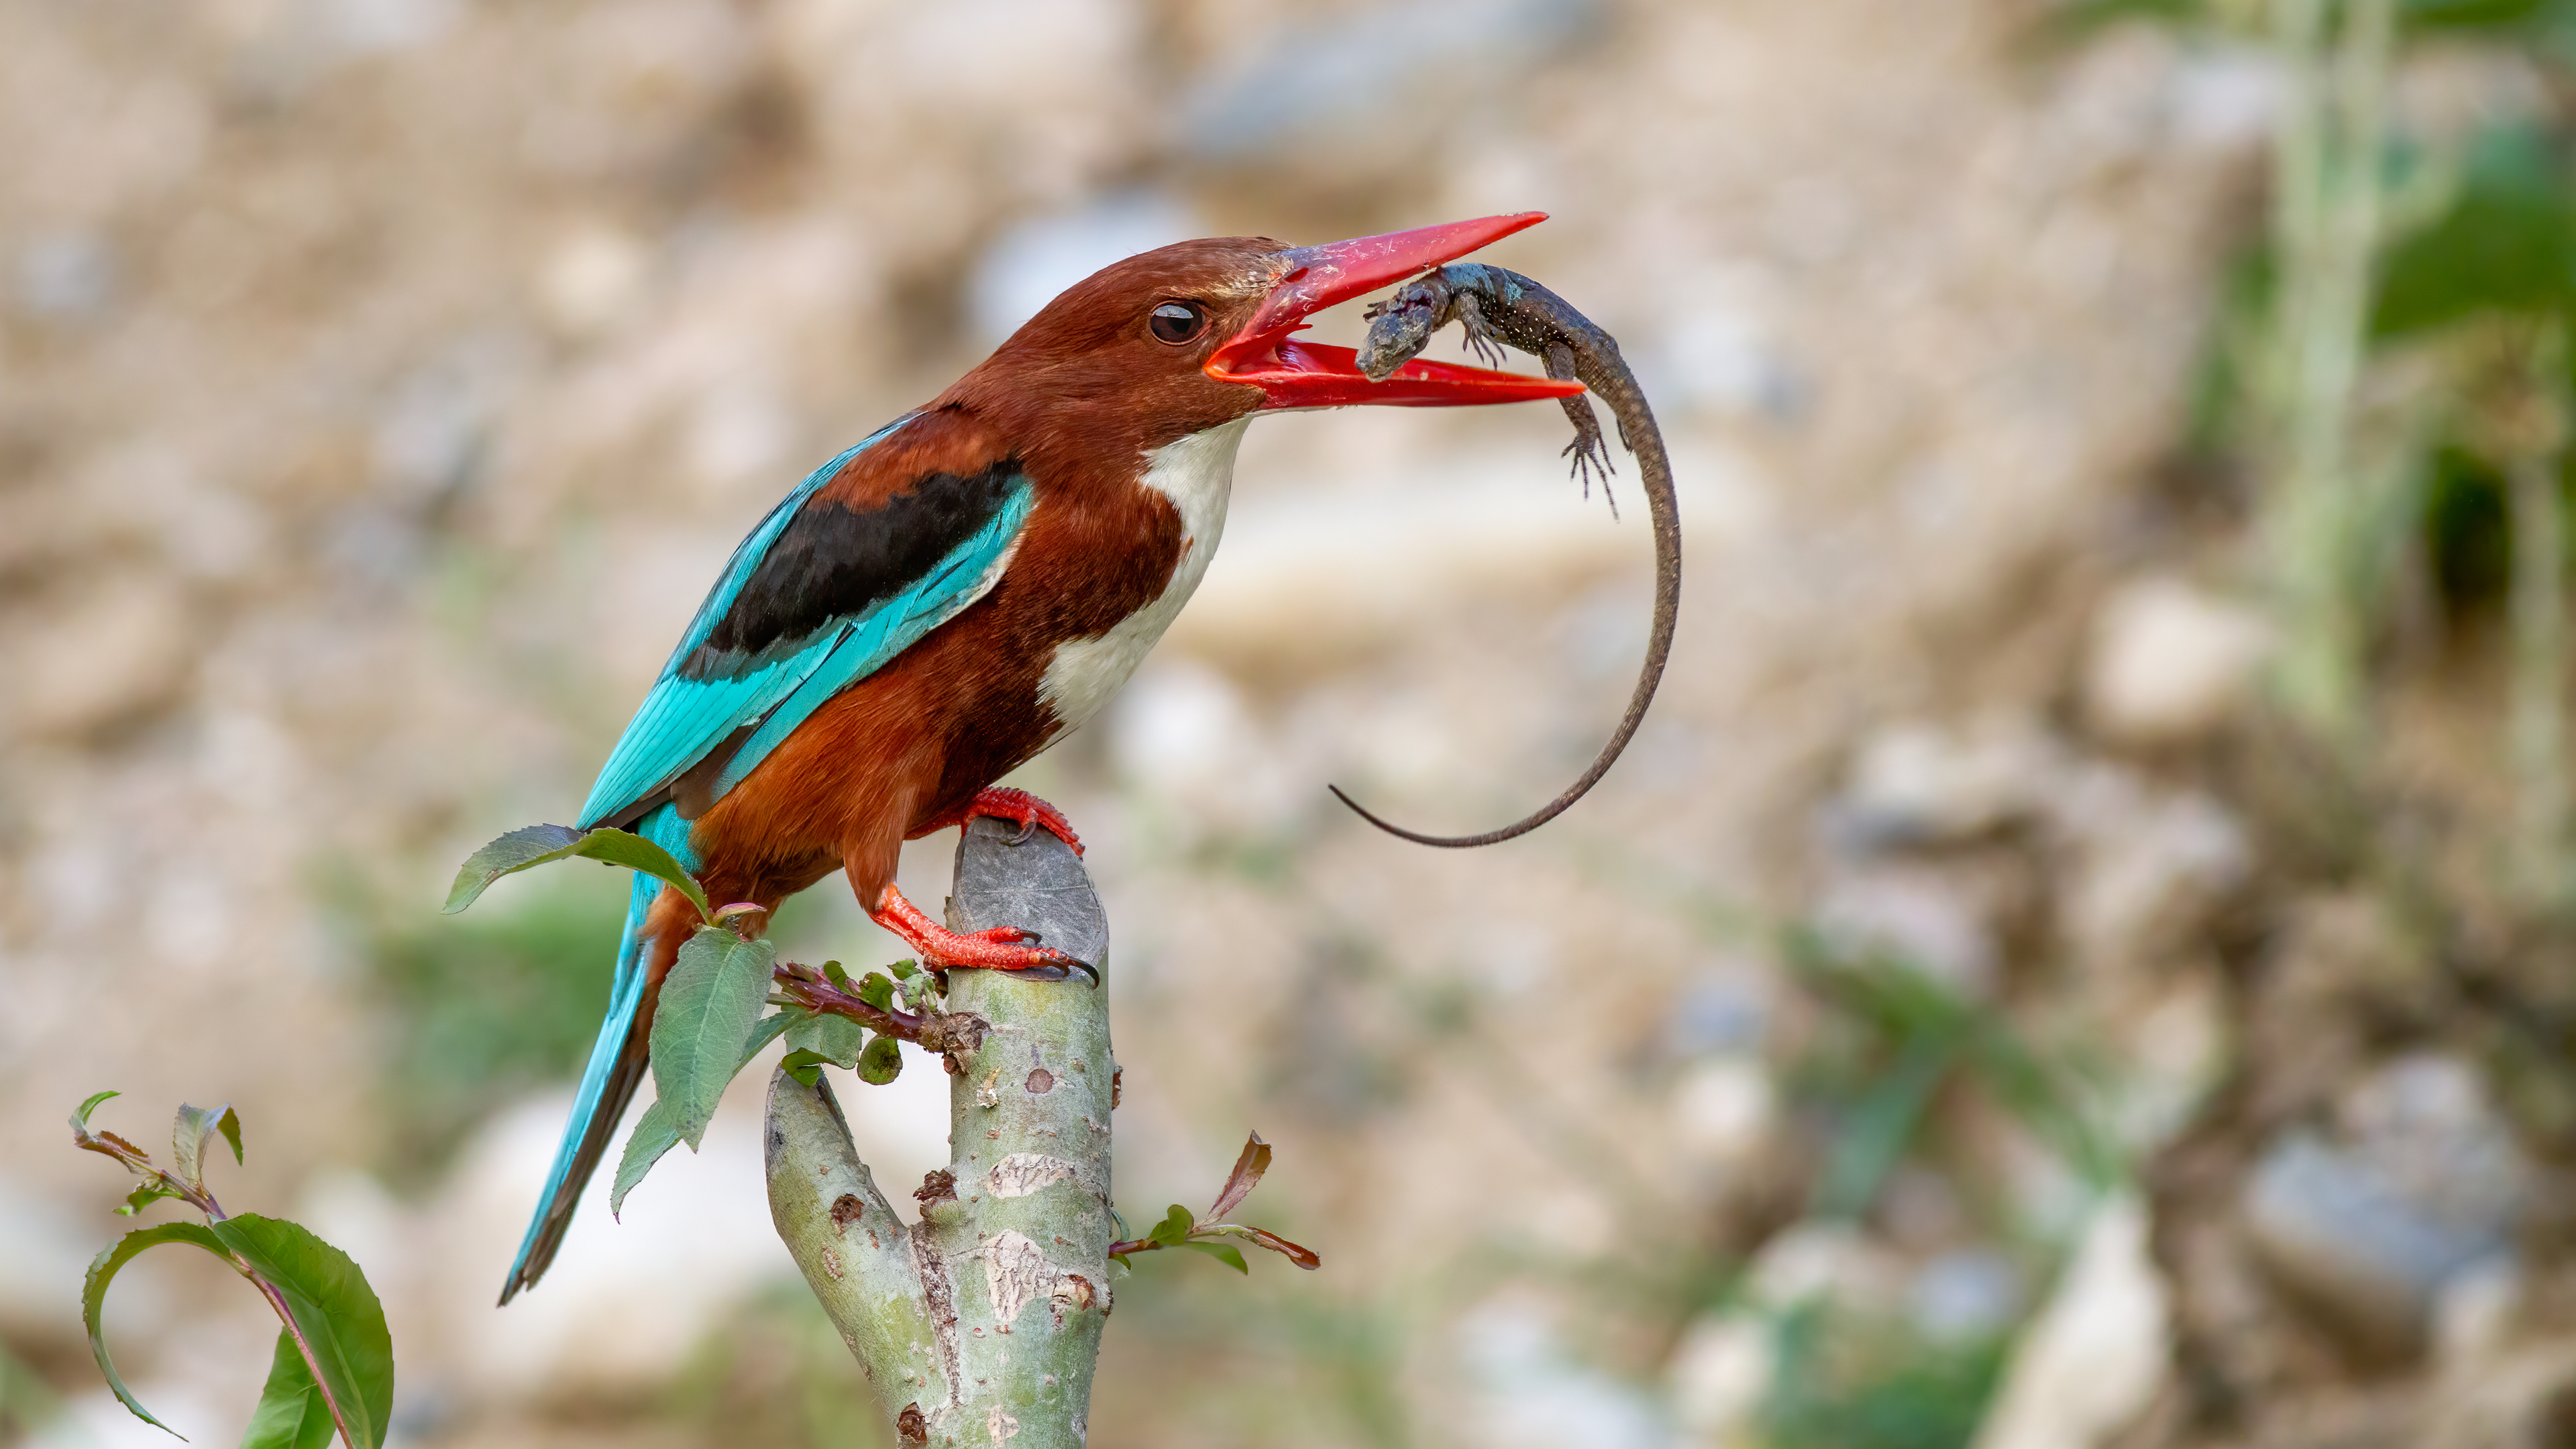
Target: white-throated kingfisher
(941,602)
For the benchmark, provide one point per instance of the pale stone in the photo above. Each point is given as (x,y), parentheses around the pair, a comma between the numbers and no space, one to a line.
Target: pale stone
(1916,918)
(2094,1356)
(1719,1377)
(2169,662)
(1828,1262)
(2422,1186)
(1917,783)
(118,650)
(1533,1392)
(1724,1109)
(593,278)
(2150,867)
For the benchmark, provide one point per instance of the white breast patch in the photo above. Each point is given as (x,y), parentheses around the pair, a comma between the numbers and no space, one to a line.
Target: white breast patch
(1197,474)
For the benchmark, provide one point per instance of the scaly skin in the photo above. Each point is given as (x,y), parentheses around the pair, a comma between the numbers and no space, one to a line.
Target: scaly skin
(1002,948)
(1019,807)
(1495,305)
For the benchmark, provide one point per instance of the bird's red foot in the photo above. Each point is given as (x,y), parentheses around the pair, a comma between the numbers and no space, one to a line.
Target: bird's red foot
(1002,948)
(1017,806)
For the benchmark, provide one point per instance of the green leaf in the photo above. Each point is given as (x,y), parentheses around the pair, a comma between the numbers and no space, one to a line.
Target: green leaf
(1174,1228)
(2507,244)
(102,1271)
(806,1067)
(654,1135)
(905,969)
(710,1002)
(1871,1139)
(833,973)
(882,1062)
(764,1031)
(188,1134)
(835,1039)
(534,845)
(144,1195)
(80,1114)
(336,1313)
(877,990)
(292,1413)
(1225,1253)
(2472,14)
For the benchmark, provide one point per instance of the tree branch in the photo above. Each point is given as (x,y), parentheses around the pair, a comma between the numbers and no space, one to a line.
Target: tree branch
(980,1324)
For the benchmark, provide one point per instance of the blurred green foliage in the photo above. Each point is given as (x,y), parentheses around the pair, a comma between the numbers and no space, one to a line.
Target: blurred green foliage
(485,1007)
(1840,1382)
(1263,1363)
(2505,244)
(2527,22)
(2487,244)
(1893,1037)
(776,1374)
(2468,534)
(28,1404)
(2495,264)
(1890,1044)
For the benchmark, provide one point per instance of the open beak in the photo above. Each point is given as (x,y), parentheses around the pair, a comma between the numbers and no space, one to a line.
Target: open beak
(1294,374)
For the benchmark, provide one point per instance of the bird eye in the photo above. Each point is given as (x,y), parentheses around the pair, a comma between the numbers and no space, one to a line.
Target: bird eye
(1177,321)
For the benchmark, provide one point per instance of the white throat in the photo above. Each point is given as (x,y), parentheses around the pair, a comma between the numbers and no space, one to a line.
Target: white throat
(1197,474)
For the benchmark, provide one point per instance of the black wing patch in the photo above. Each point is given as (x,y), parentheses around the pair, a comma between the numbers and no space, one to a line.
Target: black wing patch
(833,562)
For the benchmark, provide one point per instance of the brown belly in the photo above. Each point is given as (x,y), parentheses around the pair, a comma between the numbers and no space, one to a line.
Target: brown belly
(948,716)
(914,740)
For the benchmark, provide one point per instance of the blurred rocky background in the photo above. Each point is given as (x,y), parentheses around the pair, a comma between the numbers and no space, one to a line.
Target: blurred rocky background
(2077,957)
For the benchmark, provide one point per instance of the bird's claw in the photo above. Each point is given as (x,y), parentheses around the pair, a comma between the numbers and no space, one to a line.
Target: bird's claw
(995,948)
(1019,806)
(1029,955)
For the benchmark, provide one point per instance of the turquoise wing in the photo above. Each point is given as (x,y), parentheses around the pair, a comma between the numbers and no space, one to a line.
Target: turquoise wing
(820,596)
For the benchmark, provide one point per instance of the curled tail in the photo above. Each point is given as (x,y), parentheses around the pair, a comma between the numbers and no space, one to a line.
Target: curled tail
(617,1063)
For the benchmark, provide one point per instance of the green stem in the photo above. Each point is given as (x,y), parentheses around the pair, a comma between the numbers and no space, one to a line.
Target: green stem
(2326,221)
(2539,689)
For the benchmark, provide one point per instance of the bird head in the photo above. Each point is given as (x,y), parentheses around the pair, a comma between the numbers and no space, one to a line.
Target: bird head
(1203,332)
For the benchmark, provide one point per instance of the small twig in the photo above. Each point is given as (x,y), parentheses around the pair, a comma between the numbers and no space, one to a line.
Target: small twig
(1180,1229)
(196,1195)
(139,1162)
(943,1032)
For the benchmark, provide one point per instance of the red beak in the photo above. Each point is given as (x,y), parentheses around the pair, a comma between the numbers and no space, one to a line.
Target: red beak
(1293,374)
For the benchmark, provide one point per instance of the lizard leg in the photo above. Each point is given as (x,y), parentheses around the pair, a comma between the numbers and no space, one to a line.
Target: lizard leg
(1590,452)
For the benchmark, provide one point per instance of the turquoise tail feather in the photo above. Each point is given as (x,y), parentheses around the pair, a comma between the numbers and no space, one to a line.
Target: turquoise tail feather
(616,1068)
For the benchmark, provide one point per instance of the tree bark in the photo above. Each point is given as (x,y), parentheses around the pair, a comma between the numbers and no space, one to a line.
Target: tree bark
(980,1323)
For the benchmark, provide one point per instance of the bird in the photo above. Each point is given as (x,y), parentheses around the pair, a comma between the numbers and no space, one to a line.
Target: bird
(947,597)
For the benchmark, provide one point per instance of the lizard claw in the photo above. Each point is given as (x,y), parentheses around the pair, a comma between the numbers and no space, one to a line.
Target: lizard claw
(1592,459)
